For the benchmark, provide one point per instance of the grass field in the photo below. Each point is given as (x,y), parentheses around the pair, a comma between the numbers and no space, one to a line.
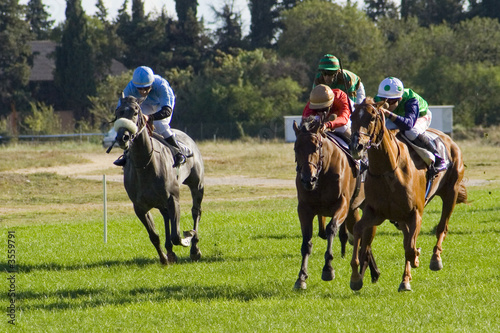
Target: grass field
(67,279)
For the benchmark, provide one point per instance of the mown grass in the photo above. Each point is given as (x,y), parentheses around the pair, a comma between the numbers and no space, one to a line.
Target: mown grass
(69,280)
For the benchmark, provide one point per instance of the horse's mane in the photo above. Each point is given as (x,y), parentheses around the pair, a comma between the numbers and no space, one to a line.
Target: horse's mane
(309,124)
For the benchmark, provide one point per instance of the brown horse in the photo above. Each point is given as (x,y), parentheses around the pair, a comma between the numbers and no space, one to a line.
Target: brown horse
(395,189)
(326,186)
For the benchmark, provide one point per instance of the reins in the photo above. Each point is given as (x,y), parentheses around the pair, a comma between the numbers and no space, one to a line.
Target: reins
(142,126)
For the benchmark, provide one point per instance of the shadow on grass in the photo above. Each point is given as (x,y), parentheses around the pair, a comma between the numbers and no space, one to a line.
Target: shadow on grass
(70,299)
(140,262)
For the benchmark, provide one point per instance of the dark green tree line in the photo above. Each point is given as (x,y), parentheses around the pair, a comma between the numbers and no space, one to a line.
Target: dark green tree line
(15,59)
(221,76)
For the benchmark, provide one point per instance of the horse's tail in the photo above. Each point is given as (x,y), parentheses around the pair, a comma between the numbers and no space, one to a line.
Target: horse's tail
(462,193)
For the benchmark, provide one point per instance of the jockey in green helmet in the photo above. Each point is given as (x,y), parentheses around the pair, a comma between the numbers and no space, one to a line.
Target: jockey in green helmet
(329,74)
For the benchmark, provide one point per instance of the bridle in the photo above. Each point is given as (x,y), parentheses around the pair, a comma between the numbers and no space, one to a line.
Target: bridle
(141,126)
(375,139)
(319,149)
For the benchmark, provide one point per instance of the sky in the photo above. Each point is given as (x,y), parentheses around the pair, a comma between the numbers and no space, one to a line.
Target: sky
(57,8)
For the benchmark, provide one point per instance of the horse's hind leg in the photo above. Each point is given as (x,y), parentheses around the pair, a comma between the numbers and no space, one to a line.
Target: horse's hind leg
(197,195)
(449,200)
(341,212)
(148,222)
(328,273)
(343,237)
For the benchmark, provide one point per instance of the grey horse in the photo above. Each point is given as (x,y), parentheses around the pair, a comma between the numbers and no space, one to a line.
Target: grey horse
(151,181)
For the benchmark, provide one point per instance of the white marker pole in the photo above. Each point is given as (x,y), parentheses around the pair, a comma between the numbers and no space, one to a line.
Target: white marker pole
(105,210)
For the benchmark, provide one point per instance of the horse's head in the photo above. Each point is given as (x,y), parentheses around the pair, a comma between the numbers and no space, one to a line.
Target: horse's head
(367,126)
(128,121)
(308,151)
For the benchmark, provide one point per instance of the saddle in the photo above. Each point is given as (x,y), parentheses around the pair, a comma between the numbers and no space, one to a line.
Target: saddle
(424,154)
(427,157)
(185,150)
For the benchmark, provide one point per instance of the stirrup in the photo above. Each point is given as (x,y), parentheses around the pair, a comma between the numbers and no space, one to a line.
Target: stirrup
(121,161)
(179,159)
(440,165)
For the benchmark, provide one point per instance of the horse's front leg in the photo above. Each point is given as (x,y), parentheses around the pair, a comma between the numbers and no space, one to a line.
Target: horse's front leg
(147,221)
(306,225)
(411,230)
(360,251)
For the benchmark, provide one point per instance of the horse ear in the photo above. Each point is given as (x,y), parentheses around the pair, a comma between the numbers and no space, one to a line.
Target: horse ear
(295,128)
(382,103)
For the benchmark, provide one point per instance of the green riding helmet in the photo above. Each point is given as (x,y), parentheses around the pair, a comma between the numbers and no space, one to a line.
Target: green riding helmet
(329,63)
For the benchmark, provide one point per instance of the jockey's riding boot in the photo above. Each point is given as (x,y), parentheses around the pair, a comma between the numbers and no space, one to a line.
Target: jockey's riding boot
(122,160)
(423,141)
(179,157)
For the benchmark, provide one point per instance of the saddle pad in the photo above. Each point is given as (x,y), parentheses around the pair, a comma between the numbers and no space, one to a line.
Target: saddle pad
(426,155)
(339,140)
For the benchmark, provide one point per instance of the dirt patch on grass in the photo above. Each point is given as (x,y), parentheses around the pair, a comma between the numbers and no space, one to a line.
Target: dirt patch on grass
(103,164)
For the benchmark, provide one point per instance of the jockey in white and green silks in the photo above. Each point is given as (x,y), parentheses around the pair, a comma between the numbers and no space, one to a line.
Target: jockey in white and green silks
(409,112)
(328,74)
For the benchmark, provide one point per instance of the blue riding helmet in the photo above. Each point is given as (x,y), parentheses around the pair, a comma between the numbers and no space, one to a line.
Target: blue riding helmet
(143,77)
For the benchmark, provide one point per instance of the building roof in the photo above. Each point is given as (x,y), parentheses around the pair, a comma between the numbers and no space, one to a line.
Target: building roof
(44,61)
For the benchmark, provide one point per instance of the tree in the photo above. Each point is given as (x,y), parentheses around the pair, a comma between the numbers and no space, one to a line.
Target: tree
(74,75)
(264,22)
(105,41)
(185,9)
(228,35)
(314,28)
(15,58)
(484,8)
(377,9)
(236,96)
(433,11)
(38,19)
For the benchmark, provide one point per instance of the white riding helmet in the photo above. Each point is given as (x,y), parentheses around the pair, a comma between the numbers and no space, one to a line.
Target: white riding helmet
(143,77)
(390,87)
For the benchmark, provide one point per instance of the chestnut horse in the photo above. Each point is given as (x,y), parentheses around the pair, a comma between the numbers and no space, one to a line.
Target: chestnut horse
(326,186)
(395,189)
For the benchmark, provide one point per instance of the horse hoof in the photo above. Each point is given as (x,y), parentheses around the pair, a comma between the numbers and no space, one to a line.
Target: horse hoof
(356,285)
(328,275)
(300,285)
(404,286)
(436,265)
(171,258)
(375,278)
(195,256)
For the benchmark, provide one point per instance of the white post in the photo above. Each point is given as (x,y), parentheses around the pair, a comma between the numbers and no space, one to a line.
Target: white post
(105,210)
